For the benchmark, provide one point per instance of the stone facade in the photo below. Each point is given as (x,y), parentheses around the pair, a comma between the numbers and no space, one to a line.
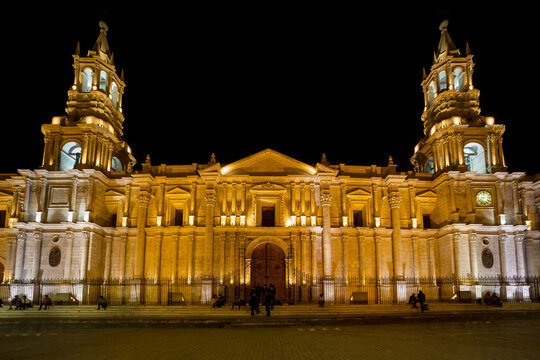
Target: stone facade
(86,214)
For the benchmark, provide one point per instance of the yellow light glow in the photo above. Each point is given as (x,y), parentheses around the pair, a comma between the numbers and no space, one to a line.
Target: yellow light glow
(456,120)
(490,121)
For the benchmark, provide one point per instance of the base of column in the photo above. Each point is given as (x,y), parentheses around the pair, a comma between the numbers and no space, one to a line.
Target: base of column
(206,290)
(328,290)
(400,291)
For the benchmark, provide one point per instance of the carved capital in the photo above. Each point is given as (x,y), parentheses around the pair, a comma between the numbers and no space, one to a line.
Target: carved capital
(326,199)
(143,199)
(394,199)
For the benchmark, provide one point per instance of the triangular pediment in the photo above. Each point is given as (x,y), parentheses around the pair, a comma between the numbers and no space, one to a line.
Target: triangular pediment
(426,195)
(359,193)
(177,191)
(268,162)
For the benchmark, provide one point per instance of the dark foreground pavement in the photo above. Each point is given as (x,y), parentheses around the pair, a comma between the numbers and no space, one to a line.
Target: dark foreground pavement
(500,339)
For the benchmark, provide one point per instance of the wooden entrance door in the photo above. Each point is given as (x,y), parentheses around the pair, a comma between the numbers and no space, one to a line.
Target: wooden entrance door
(268,267)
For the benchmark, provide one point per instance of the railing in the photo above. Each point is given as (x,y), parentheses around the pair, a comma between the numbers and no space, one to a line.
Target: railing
(306,290)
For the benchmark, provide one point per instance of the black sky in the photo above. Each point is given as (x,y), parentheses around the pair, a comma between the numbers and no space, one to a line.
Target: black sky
(300,80)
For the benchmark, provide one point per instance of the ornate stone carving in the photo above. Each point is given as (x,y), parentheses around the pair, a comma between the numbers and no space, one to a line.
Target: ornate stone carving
(210,199)
(487,258)
(55,255)
(144,199)
(394,199)
(326,199)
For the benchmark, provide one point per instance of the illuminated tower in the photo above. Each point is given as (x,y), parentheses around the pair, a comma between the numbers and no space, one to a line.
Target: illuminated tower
(90,135)
(457,137)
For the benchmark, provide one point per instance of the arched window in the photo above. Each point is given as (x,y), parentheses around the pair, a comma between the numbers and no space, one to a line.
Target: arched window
(114,94)
(428,166)
(87,80)
(458,79)
(475,158)
(442,80)
(103,80)
(432,92)
(116,164)
(70,156)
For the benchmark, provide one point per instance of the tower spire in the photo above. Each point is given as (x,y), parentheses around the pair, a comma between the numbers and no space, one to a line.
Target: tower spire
(446,45)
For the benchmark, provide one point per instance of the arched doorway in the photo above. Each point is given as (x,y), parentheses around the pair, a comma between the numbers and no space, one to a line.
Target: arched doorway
(268,267)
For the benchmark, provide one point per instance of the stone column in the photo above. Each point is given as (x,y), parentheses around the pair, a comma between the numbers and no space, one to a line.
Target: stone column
(123,246)
(326,200)
(107,267)
(174,274)
(502,255)
(328,280)
(361,263)
(456,240)
(395,199)
(473,256)
(84,254)
(189,263)
(11,257)
(209,233)
(68,255)
(159,243)
(432,268)
(208,247)
(36,263)
(140,245)
(19,259)
(520,258)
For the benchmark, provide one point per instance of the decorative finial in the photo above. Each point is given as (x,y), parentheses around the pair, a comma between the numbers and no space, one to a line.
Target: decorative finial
(390,161)
(323,160)
(103,26)
(147,161)
(443,25)
(212,159)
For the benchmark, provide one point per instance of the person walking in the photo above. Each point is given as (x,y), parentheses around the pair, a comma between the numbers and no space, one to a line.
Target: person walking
(421,299)
(268,303)
(102,303)
(253,302)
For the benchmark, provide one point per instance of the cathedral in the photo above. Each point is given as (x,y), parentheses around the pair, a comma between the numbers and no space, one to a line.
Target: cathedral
(87,224)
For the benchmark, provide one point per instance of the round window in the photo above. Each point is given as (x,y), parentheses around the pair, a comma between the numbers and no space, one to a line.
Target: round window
(483,198)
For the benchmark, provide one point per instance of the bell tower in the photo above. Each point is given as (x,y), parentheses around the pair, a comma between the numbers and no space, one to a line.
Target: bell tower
(456,137)
(90,134)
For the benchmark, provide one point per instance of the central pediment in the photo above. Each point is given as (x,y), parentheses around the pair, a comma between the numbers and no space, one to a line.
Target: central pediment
(269,163)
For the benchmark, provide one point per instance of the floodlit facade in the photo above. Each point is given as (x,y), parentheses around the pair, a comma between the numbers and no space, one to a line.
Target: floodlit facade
(87,223)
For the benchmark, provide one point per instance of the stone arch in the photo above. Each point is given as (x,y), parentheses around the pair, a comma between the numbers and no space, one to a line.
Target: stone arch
(267,239)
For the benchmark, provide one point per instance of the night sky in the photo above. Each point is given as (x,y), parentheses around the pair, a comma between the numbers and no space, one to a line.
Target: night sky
(300,80)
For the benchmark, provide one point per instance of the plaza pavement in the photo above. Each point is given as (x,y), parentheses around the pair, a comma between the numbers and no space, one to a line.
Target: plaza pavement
(282,316)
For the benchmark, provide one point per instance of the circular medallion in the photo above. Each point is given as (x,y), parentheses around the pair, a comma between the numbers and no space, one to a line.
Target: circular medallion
(483,198)
(487,258)
(54,256)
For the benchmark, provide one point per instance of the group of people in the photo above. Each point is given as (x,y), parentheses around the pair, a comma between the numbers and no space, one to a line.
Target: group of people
(491,299)
(218,301)
(418,299)
(262,295)
(23,303)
